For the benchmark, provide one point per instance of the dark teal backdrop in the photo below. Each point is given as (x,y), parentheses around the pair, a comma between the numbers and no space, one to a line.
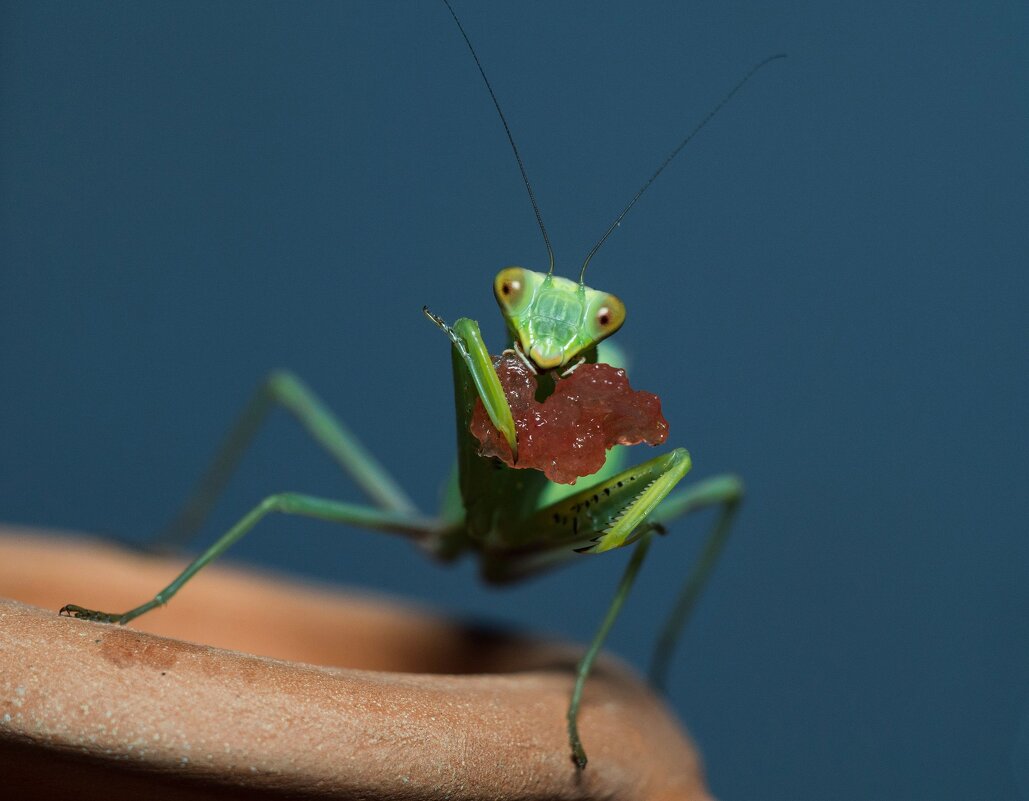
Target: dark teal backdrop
(828,290)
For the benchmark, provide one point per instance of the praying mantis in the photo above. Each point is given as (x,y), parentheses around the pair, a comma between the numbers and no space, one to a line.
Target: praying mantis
(515,521)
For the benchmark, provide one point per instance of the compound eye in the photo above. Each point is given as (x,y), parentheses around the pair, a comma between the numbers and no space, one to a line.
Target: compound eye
(509,286)
(609,316)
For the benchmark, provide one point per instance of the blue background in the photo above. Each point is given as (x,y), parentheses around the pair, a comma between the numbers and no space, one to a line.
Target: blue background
(828,290)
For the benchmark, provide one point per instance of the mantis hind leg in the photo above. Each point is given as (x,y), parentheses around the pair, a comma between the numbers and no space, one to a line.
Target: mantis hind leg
(284,389)
(284,503)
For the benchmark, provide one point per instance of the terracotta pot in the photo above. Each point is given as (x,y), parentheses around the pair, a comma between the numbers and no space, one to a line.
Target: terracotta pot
(252,686)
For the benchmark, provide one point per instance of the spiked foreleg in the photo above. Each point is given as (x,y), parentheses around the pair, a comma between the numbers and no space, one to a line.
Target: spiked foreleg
(470,346)
(609,514)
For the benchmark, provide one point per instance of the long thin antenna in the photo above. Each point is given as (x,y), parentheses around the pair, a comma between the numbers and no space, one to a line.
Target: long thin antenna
(510,138)
(671,156)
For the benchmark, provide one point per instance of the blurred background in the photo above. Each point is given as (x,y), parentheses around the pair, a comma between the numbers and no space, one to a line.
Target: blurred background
(828,289)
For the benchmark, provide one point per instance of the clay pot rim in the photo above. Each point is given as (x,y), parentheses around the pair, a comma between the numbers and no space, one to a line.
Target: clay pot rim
(204,716)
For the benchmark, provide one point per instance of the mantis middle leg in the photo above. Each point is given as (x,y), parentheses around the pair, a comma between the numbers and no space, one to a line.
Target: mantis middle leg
(285,503)
(726,492)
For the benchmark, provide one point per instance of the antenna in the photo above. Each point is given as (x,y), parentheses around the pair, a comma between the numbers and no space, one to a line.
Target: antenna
(510,138)
(710,115)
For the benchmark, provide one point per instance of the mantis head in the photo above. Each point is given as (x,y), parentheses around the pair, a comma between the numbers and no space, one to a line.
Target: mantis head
(553,319)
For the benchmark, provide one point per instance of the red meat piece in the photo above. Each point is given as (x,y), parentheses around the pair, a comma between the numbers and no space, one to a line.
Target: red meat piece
(568,434)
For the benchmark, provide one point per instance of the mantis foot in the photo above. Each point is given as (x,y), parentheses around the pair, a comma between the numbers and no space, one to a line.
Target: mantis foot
(71,610)
(578,752)
(579,757)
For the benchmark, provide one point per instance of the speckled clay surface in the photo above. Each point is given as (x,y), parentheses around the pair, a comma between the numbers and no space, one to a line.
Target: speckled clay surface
(350,698)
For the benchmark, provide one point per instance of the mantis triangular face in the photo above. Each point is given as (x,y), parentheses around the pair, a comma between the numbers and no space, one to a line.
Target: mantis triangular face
(554,319)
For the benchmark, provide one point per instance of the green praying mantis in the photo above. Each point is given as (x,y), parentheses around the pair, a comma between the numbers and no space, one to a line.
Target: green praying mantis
(515,521)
